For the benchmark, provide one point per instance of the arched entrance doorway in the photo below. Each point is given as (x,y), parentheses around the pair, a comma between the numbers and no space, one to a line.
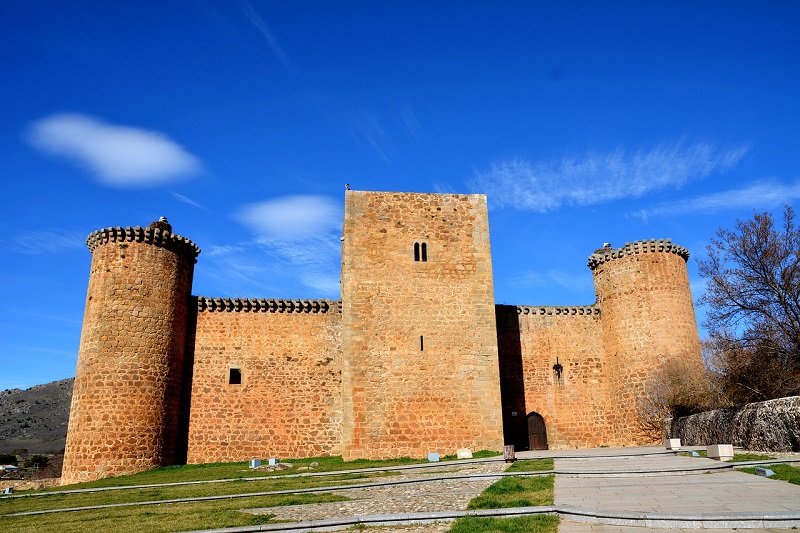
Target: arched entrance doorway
(537,432)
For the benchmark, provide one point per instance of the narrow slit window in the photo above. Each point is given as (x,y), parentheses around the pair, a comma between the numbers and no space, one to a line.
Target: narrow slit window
(234,376)
(424,251)
(421,344)
(416,251)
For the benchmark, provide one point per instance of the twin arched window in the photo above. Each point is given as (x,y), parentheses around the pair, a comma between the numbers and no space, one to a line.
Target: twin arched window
(420,251)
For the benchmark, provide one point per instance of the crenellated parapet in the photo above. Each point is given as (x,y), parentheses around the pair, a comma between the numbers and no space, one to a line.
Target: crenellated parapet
(267,305)
(603,255)
(580,310)
(149,235)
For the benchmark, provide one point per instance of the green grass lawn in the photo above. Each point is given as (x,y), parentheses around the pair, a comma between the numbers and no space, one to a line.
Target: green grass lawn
(532,465)
(61,501)
(742,457)
(214,471)
(514,492)
(187,516)
(527,524)
(160,518)
(737,457)
(782,472)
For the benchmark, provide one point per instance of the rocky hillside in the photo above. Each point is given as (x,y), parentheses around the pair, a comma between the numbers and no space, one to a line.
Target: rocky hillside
(35,418)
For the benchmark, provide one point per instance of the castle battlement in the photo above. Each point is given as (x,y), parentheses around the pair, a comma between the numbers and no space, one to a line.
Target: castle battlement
(637,247)
(150,235)
(576,310)
(264,305)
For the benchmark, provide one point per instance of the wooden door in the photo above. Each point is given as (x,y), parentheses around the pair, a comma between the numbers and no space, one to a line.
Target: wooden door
(537,432)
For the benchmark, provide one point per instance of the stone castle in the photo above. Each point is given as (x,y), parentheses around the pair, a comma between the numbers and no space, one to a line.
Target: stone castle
(414,358)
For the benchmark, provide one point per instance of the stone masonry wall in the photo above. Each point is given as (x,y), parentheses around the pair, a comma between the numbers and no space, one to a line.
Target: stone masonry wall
(772,426)
(647,318)
(124,414)
(289,401)
(573,406)
(419,342)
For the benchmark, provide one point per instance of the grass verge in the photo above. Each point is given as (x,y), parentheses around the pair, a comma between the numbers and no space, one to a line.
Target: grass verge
(62,501)
(534,465)
(161,518)
(782,472)
(514,492)
(741,457)
(528,524)
(737,457)
(239,470)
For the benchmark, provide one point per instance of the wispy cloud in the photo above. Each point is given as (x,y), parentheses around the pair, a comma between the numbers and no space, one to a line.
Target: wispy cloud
(411,123)
(120,156)
(760,195)
(256,20)
(221,250)
(598,178)
(300,233)
(370,131)
(188,201)
(48,241)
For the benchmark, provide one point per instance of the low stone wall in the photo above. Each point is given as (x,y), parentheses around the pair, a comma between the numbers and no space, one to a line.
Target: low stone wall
(773,425)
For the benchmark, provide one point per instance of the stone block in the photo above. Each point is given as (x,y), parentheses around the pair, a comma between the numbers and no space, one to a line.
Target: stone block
(464,453)
(673,444)
(720,452)
(766,472)
(273,461)
(433,457)
(508,453)
(255,463)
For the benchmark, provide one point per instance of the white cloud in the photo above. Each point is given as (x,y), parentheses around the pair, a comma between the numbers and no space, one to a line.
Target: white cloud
(760,195)
(291,217)
(120,156)
(300,235)
(599,178)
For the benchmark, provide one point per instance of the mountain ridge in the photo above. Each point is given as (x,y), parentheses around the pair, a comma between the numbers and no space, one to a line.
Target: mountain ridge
(35,418)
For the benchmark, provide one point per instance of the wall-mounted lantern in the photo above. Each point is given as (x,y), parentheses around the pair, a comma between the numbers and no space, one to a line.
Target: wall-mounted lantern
(558,369)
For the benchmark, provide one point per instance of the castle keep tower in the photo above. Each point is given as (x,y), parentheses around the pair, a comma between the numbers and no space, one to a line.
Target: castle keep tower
(419,341)
(125,405)
(647,319)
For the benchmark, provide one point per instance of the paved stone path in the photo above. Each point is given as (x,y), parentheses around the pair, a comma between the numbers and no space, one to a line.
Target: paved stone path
(633,480)
(436,496)
(723,492)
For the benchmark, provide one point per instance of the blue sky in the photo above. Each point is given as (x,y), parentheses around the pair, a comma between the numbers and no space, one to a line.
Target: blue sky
(241,121)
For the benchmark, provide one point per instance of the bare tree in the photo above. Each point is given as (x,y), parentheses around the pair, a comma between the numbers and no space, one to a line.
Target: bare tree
(676,389)
(753,299)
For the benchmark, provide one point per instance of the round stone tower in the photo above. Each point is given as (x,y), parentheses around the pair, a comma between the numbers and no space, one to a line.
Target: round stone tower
(647,318)
(125,403)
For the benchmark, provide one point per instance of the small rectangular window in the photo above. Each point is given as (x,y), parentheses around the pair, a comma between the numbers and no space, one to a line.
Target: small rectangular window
(421,344)
(235,377)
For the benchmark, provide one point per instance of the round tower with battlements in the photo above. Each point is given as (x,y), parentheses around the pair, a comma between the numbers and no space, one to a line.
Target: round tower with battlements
(647,319)
(125,404)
